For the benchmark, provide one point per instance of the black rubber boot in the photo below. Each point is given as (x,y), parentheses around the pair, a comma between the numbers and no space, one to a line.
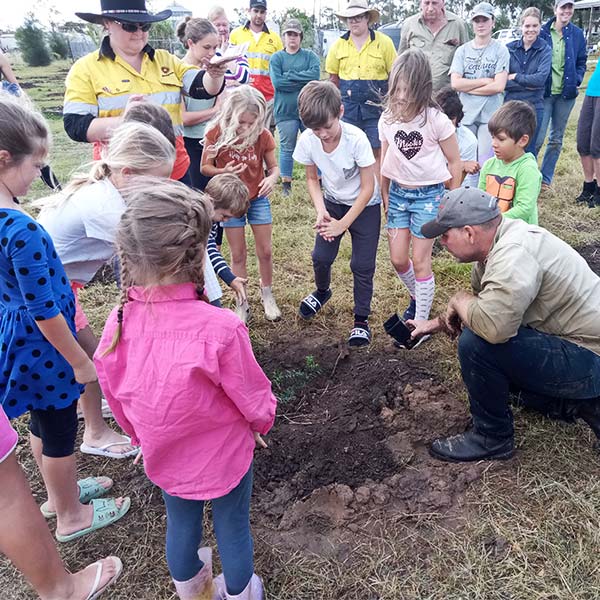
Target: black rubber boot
(471,446)
(589,411)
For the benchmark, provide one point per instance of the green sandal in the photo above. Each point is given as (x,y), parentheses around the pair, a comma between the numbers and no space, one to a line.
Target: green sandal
(106,513)
(89,488)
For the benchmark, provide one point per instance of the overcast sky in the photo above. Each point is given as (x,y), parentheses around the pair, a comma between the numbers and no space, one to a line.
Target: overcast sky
(13,12)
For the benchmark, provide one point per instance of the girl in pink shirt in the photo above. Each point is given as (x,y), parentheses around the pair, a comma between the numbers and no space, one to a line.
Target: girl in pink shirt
(181,379)
(419,152)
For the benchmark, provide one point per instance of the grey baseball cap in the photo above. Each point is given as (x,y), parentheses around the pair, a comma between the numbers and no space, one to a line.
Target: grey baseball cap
(483,9)
(291,25)
(460,207)
(560,3)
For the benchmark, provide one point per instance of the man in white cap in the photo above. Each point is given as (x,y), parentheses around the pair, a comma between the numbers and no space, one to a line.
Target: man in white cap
(438,32)
(529,328)
(359,63)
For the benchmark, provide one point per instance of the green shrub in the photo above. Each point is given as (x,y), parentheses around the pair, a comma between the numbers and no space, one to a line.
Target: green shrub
(31,40)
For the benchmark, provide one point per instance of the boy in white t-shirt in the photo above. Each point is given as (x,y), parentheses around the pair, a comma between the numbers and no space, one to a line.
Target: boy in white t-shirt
(348,201)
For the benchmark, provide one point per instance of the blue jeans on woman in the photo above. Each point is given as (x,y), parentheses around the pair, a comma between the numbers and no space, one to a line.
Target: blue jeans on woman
(231,521)
(288,134)
(545,370)
(556,114)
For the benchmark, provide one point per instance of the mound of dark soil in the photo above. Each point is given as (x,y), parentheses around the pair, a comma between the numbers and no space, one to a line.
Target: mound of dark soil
(353,439)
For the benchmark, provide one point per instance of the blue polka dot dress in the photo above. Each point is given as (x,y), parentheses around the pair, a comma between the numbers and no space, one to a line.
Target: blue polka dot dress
(33,287)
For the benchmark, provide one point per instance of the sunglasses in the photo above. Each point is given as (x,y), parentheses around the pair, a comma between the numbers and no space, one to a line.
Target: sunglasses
(133,27)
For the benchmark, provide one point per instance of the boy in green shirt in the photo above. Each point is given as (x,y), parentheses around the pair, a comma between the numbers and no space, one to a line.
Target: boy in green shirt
(512,175)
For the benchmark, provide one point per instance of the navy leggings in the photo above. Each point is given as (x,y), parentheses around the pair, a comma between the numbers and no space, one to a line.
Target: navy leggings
(231,521)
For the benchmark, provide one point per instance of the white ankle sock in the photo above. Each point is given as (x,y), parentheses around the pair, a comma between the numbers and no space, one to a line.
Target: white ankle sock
(408,278)
(425,289)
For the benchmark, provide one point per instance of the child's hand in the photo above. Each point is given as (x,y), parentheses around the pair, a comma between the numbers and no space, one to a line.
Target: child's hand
(215,71)
(259,441)
(471,166)
(322,218)
(385,200)
(266,186)
(86,372)
(238,285)
(332,229)
(236,169)
(134,100)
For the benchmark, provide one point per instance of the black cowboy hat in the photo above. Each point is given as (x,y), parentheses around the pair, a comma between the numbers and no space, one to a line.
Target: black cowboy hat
(130,11)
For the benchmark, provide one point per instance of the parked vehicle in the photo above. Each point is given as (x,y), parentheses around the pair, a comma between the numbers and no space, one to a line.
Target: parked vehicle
(506,36)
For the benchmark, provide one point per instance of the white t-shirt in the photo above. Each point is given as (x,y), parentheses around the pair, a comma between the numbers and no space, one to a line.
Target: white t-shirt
(467,146)
(340,169)
(414,155)
(83,229)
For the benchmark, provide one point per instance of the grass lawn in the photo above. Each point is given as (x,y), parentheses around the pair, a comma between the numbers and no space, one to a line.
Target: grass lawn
(520,530)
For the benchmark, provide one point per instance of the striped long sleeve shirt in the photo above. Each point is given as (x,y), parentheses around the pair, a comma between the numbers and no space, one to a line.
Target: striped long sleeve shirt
(216,258)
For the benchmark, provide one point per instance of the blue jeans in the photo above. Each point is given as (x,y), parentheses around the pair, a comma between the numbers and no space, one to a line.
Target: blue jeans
(288,134)
(231,521)
(543,368)
(556,114)
(532,146)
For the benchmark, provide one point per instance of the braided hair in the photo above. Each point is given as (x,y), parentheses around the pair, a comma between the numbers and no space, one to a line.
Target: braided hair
(161,238)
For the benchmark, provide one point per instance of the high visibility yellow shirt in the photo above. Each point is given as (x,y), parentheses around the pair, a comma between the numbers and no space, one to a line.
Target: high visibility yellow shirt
(100,84)
(259,54)
(363,73)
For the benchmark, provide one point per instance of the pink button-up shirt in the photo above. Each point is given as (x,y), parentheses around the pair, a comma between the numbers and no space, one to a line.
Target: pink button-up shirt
(184,384)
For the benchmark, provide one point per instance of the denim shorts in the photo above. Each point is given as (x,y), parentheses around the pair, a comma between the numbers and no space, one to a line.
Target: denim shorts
(259,213)
(412,208)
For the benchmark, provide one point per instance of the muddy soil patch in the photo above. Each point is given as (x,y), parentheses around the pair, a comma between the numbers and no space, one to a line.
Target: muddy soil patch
(352,441)
(591,254)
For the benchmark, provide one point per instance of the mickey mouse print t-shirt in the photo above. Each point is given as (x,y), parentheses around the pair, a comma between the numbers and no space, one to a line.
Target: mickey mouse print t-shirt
(414,156)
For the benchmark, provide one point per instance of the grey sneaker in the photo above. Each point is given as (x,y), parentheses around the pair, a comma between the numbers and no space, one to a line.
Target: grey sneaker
(272,311)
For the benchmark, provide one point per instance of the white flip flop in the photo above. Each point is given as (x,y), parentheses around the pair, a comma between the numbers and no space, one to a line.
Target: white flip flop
(106,453)
(96,591)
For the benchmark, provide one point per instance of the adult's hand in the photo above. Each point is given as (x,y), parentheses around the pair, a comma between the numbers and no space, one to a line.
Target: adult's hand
(424,327)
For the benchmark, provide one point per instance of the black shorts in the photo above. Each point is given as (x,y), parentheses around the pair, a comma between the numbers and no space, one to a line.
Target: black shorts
(588,128)
(57,429)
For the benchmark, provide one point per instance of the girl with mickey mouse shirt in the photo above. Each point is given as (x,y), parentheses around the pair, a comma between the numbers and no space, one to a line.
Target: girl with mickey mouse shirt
(419,154)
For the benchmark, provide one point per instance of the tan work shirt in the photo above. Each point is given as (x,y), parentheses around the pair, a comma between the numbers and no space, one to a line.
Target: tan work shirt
(439,48)
(533,279)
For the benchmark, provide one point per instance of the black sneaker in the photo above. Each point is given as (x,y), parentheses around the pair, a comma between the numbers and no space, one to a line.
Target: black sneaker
(409,313)
(286,188)
(587,195)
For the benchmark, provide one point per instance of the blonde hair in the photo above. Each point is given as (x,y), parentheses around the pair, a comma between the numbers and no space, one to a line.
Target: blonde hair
(136,146)
(24,131)
(215,12)
(162,234)
(318,103)
(194,29)
(228,192)
(411,76)
(532,11)
(240,100)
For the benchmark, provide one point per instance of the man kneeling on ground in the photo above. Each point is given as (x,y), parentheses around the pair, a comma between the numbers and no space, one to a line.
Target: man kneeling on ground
(529,330)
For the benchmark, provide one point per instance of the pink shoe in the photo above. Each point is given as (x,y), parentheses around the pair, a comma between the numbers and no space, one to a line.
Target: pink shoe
(253,591)
(199,587)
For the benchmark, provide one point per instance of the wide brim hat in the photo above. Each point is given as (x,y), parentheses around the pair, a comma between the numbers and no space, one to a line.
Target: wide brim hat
(359,7)
(129,11)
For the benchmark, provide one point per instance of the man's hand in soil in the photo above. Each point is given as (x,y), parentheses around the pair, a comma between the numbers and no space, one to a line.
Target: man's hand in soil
(259,441)
(423,327)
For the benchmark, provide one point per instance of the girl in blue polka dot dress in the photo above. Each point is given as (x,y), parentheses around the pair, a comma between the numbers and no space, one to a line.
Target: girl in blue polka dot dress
(42,367)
